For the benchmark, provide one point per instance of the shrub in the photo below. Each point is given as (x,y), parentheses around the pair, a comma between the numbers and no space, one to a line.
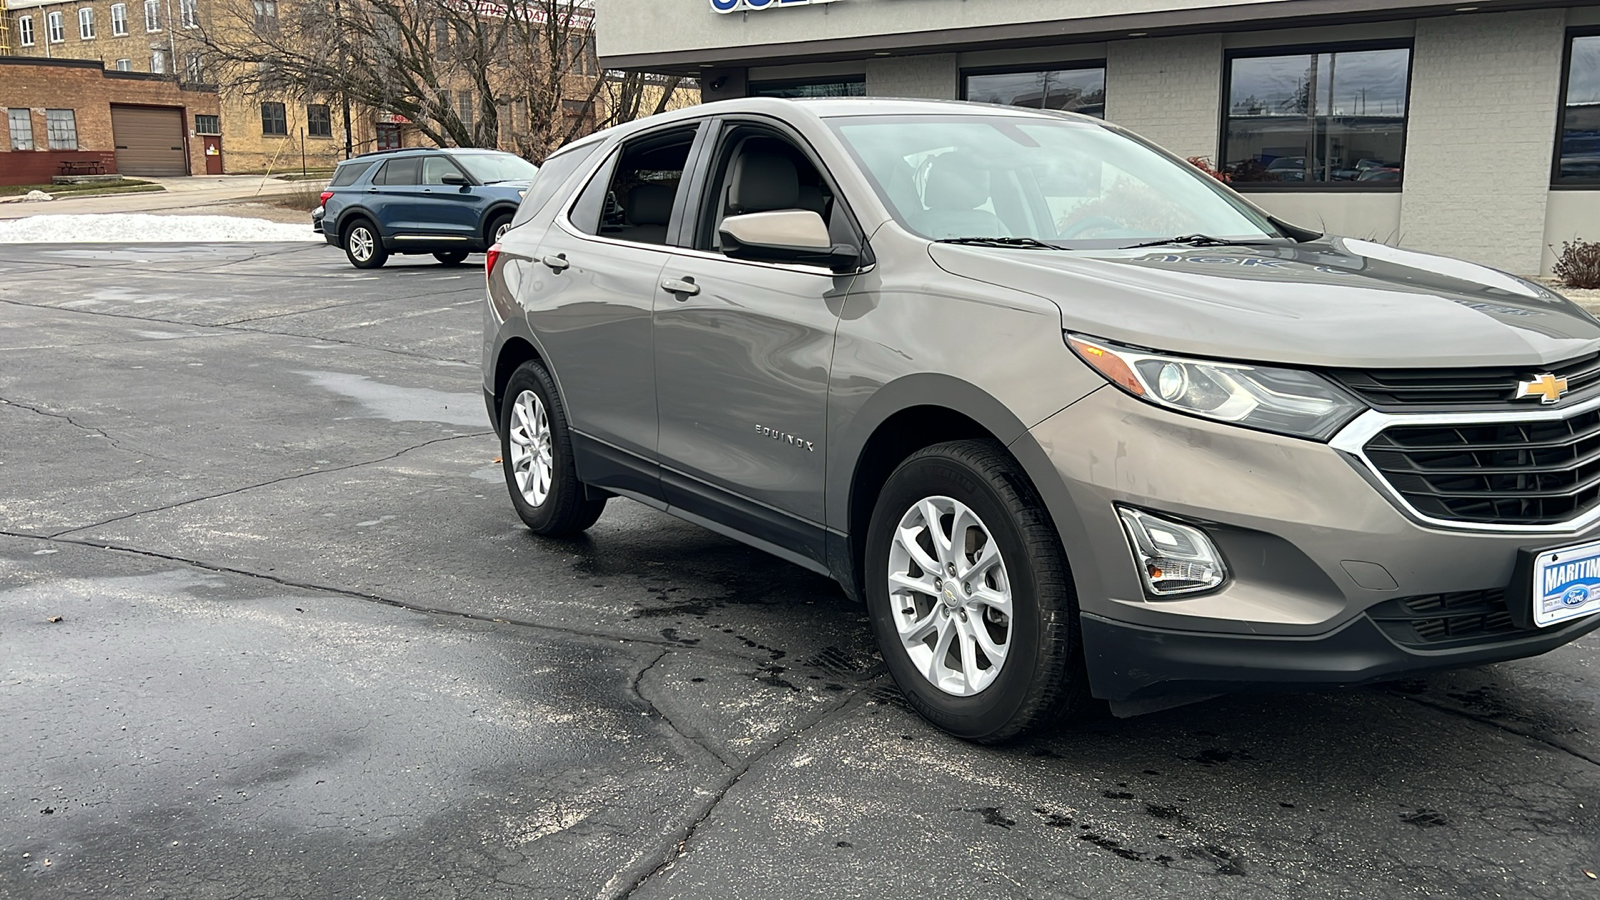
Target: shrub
(1578,264)
(1203,163)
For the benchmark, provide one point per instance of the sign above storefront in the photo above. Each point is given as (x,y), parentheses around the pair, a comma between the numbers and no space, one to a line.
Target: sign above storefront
(728,6)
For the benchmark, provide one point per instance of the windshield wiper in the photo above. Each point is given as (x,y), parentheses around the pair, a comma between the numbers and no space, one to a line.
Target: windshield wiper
(1000,242)
(1197,240)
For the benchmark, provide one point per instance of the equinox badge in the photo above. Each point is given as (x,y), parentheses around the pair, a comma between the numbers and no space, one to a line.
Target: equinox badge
(1547,387)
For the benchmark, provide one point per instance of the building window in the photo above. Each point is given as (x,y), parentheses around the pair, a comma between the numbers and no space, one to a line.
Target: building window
(158,61)
(1578,144)
(1318,118)
(152,15)
(58,31)
(186,14)
(21,129)
(25,30)
(119,19)
(274,119)
(194,68)
(843,87)
(86,24)
(464,108)
(207,125)
(319,122)
(61,127)
(1079,89)
(124,65)
(266,15)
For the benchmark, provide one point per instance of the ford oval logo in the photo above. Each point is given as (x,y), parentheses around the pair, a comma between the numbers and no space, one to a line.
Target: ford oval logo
(728,6)
(1577,595)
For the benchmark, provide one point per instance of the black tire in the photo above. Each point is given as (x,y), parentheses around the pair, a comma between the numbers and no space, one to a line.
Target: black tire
(497,226)
(566,509)
(451,257)
(1041,680)
(363,246)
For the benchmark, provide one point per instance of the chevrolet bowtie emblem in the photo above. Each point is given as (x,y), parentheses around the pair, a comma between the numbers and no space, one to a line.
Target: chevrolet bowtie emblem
(1547,387)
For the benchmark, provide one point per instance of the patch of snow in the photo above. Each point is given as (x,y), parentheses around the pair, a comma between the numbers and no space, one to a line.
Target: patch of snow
(37,195)
(131,228)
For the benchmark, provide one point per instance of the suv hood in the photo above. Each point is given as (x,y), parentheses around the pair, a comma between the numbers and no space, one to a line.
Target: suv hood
(1333,302)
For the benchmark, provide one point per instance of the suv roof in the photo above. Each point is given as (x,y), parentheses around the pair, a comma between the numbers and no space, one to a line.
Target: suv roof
(449,151)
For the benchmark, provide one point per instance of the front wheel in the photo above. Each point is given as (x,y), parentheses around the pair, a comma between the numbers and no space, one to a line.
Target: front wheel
(536,452)
(970,596)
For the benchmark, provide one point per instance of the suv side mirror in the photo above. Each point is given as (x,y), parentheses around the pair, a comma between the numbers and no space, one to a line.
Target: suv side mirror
(453,178)
(785,236)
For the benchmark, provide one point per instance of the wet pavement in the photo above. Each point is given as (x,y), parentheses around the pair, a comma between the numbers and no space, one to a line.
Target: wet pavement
(305,648)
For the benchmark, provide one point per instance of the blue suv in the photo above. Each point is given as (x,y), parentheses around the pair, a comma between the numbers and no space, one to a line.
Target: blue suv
(445,202)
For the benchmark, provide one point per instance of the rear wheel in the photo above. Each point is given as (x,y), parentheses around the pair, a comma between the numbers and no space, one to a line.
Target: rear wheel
(498,227)
(451,257)
(362,245)
(536,452)
(970,596)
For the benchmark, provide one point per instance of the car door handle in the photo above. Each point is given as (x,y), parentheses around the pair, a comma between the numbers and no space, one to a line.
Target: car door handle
(684,288)
(557,262)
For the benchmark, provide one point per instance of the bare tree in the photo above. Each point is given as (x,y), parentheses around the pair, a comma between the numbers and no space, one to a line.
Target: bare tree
(453,68)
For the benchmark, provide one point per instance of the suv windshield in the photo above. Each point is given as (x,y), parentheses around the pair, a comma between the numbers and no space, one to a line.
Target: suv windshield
(1070,184)
(489,168)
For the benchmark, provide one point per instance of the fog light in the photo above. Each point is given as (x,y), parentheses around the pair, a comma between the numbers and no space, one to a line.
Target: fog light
(1173,558)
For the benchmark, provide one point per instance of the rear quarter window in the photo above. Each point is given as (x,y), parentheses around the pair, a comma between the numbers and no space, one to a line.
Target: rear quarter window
(349,173)
(552,175)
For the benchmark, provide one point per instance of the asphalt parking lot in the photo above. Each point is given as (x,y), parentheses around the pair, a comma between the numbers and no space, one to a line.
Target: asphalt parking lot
(306,649)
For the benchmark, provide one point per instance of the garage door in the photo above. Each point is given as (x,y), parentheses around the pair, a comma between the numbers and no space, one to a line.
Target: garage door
(149,140)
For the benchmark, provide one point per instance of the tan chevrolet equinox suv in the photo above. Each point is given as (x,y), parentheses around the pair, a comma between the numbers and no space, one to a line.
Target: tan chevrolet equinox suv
(1073,419)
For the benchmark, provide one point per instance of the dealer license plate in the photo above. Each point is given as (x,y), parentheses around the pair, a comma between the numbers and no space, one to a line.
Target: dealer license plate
(1566,583)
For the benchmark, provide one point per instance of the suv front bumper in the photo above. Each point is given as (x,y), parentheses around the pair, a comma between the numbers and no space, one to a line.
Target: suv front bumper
(1298,524)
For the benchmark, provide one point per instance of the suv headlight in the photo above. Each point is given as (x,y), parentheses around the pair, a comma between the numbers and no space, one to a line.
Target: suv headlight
(1285,401)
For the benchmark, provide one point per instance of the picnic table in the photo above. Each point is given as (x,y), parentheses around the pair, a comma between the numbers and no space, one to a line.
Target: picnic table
(83,167)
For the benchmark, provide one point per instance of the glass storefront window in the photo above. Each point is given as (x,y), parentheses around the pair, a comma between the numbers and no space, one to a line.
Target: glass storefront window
(1318,118)
(799,90)
(1072,90)
(1579,160)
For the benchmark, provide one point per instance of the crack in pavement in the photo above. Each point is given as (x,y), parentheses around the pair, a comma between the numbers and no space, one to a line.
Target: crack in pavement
(684,835)
(607,636)
(1501,726)
(239,490)
(346,305)
(65,418)
(1498,725)
(239,331)
(637,686)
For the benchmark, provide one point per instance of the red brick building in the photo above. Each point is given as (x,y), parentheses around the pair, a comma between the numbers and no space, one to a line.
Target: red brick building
(68,116)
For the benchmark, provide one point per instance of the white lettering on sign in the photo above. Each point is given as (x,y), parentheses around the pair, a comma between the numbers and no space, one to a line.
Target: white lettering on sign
(1556,576)
(728,6)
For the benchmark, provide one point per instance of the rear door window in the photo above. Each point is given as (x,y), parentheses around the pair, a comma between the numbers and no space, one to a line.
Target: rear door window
(399,171)
(639,199)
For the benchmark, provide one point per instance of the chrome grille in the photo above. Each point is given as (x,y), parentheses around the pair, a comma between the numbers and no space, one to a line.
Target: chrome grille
(1457,388)
(1505,473)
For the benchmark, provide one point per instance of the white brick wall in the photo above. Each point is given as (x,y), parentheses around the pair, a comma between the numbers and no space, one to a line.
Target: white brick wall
(1484,90)
(1169,90)
(933,76)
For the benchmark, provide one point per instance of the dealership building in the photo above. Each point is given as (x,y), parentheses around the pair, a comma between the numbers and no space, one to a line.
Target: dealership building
(1470,128)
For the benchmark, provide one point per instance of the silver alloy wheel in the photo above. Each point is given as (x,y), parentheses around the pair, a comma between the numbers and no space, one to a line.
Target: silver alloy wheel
(361,243)
(531,461)
(501,231)
(949,595)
